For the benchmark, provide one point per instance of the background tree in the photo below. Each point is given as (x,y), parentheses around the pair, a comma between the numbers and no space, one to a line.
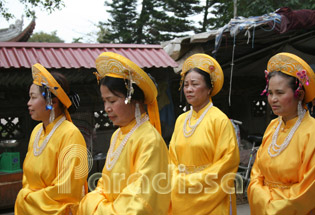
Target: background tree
(169,19)
(120,27)
(205,11)
(77,40)
(45,37)
(49,5)
(223,9)
(151,22)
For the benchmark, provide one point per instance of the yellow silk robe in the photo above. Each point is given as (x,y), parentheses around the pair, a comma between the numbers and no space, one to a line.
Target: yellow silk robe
(208,155)
(285,184)
(53,181)
(138,183)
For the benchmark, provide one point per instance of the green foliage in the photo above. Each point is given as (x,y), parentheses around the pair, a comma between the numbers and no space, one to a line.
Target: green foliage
(222,13)
(206,11)
(4,11)
(156,21)
(154,24)
(120,28)
(183,8)
(29,5)
(77,40)
(44,37)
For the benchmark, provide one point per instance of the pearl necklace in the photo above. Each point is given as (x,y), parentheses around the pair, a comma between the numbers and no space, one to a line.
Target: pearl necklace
(112,156)
(39,149)
(279,148)
(193,127)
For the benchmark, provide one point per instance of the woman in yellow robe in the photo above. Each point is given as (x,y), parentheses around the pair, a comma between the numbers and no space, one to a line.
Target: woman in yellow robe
(283,175)
(135,176)
(203,147)
(55,167)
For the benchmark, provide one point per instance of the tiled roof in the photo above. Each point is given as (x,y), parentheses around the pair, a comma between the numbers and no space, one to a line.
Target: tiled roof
(78,55)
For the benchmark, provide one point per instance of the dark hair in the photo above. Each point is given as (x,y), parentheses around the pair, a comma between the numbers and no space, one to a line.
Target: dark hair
(118,85)
(64,84)
(293,82)
(205,75)
(62,81)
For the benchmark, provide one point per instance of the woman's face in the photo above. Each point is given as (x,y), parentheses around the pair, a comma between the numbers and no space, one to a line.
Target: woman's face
(119,113)
(281,98)
(196,91)
(37,105)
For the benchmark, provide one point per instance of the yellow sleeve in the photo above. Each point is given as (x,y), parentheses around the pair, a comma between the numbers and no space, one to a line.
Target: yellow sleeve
(172,153)
(89,203)
(141,195)
(225,162)
(301,199)
(257,194)
(300,196)
(65,191)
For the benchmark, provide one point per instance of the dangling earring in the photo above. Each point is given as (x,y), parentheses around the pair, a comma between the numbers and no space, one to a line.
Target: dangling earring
(49,105)
(300,109)
(137,113)
(130,89)
(52,115)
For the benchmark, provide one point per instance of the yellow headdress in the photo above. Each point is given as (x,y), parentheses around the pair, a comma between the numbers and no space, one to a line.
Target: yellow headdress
(42,77)
(115,65)
(293,65)
(208,65)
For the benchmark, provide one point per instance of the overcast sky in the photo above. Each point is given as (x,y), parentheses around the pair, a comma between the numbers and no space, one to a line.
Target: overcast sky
(77,19)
